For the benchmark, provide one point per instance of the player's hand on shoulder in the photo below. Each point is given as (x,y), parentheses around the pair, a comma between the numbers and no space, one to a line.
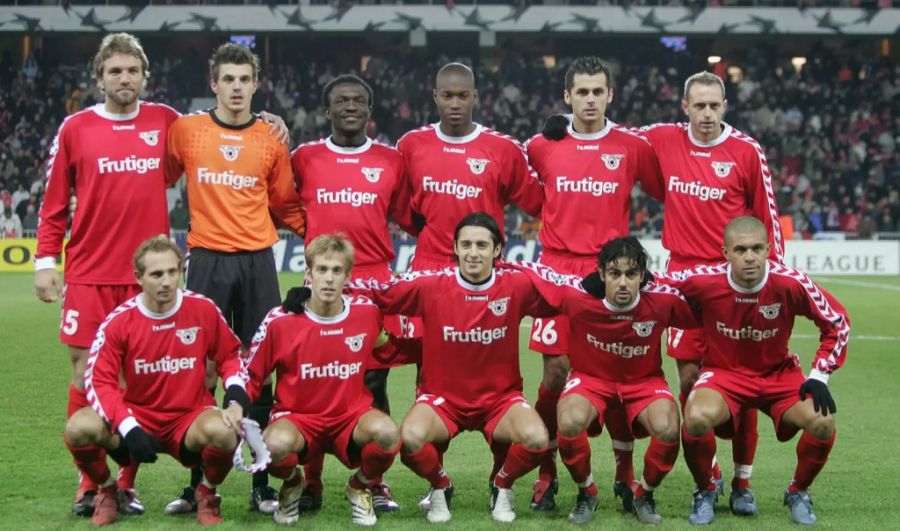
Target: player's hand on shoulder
(820,395)
(593,284)
(296,298)
(142,447)
(555,127)
(47,285)
(278,128)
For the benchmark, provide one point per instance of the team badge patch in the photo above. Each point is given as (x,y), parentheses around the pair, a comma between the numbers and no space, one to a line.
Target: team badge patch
(498,307)
(723,169)
(372,174)
(230,152)
(770,311)
(188,335)
(355,342)
(150,137)
(477,165)
(612,161)
(643,329)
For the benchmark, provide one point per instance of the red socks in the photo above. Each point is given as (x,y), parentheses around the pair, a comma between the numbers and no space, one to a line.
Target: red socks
(425,464)
(285,468)
(216,464)
(546,408)
(812,454)
(699,453)
(519,461)
(658,461)
(575,453)
(374,460)
(91,461)
(313,472)
(743,448)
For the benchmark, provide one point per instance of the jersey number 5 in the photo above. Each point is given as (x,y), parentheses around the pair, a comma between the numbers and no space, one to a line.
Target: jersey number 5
(69,323)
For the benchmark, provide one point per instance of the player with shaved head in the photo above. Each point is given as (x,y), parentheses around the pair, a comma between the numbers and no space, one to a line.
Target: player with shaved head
(749,305)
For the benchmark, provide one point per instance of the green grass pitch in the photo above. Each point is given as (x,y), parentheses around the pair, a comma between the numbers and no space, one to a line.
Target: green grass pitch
(855,490)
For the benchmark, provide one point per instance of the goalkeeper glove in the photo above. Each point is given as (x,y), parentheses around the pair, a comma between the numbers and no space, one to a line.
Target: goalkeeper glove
(555,127)
(594,285)
(293,301)
(820,395)
(236,393)
(141,445)
(418,221)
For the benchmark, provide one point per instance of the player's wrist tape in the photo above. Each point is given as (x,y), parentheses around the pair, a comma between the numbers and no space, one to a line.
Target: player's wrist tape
(251,436)
(236,393)
(44,262)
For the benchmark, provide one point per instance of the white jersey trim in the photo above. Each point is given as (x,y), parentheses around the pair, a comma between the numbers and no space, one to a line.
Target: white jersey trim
(475,287)
(590,136)
(457,139)
(103,113)
(179,296)
(348,150)
(622,309)
(754,289)
(726,132)
(316,318)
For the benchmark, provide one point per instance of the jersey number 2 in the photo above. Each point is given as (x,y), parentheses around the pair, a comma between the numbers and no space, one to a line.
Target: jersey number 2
(544,333)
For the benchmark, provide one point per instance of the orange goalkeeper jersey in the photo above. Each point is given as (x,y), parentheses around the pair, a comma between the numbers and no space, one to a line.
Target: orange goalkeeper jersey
(236,176)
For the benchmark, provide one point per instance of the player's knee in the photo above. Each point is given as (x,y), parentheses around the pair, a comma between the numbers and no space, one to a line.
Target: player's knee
(821,427)
(279,443)
(220,436)
(571,421)
(534,436)
(414,437)
(698,420)
(385,434)
(83,428)
(665,428)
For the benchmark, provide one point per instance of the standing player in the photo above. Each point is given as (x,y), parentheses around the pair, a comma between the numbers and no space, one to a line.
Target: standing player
(319,350)
(616,363)
(111,156)
(236,175)
(350,184)
(749,306)
(712,173)
(588,176)
(159,342)
(469,378)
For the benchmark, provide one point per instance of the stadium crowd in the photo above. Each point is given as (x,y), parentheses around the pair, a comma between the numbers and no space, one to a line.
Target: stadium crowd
(831,131)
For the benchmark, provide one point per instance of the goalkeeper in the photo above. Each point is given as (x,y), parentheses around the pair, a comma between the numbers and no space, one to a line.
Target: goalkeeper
(160,340)
(319,344)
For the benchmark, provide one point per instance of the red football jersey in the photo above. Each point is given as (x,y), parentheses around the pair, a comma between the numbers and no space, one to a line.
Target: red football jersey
(354,191)
(451,177)
(471,332)
(587,186)
(114,165)
(707,185)
(748,329)
(163,358)
(620,344)
(319,362)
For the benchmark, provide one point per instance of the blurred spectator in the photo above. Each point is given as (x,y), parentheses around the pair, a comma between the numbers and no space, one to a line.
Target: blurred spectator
(10,224)
(30,221)
(179,217)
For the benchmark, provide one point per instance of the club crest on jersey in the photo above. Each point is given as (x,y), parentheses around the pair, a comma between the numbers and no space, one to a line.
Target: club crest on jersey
(372,174)
(477,165)
(230,152)
(150,137)
(355,342)
(498,307)
(612,161)
(723,169)
(644,328)
(188,335)
(770,311)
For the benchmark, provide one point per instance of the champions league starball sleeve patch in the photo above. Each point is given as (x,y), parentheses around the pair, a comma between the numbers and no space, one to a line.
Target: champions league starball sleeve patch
(251,440)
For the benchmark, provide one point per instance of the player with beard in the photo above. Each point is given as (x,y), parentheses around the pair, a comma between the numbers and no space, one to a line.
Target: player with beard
(350,184)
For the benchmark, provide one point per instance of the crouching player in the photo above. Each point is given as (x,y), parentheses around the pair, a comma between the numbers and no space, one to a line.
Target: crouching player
(319,344)
(160,341)
(469,379)
(616,362)
(749,305)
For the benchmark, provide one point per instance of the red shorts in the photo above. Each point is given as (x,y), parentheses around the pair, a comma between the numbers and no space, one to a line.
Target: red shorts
(550,335)
(772,394)
(323,434)
(170,431)
(634,397)
(484,420)
(686,345)
(85,307)
(399,353)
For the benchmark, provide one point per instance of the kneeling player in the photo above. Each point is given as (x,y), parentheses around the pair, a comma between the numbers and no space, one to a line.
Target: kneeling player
(160,340)
(615,358)
(470,377)
(319,349)
(749,305)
